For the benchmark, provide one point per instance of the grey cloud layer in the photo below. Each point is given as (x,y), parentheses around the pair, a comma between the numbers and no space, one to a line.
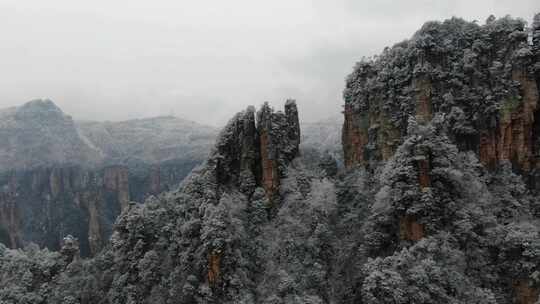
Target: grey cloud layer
(203,60)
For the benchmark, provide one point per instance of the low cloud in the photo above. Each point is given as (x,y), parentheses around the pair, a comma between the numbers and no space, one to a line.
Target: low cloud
(203,60)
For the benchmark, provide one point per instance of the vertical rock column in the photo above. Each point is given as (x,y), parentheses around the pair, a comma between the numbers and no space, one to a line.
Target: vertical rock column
(253,152)
(270,174)
(422,86)
(515,138)
(214,268)
(354,136)
(293,128)
(249,153)
(525,294)
(155,180)
(279,138)
(409,228)
(10,221)
(116,179)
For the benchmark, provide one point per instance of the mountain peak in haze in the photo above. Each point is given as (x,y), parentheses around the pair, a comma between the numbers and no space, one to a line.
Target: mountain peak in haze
(43,110)
(40,105)
(38,133)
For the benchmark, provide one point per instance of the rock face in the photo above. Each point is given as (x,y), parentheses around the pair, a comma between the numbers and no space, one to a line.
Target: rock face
(486,88)
(99,167)
(484,94)
(44,205)
(59,177)
(279,136)
(258,152)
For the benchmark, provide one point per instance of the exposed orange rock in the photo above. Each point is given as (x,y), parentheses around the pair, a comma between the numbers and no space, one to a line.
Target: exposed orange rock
(355,136)
(517,127)
(270,176)
(487,149)
(354,139)
(525,294)
(514,139)
(214,267)
(278,141)
(423,173)
(410,229)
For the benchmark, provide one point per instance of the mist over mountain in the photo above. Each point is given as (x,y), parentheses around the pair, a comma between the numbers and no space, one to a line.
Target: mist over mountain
(60,177)
(38,133)
(433,199)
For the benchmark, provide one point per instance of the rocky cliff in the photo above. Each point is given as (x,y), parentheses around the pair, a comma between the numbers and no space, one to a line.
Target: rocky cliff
(44,205)
(59,177)
(44,200)
(482,78)
(458,84)
(418,216)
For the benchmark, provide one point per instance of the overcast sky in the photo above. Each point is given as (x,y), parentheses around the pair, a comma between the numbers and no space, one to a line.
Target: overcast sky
(204,60)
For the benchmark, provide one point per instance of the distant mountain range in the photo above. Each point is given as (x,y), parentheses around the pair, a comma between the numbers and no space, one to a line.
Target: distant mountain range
(39,134)
(59,176)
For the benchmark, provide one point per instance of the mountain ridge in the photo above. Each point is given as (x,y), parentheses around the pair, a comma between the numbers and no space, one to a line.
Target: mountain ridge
(49,126)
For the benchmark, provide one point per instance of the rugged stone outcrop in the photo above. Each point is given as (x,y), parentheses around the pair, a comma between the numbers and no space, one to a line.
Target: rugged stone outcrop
(354,136)
(410,229)
(486,88)
(70,249)
(367,136)
(214,268)
(514,138)
(43,205)
(256,152)
(252,153)
(279,135)
(525,293)
(60,177)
